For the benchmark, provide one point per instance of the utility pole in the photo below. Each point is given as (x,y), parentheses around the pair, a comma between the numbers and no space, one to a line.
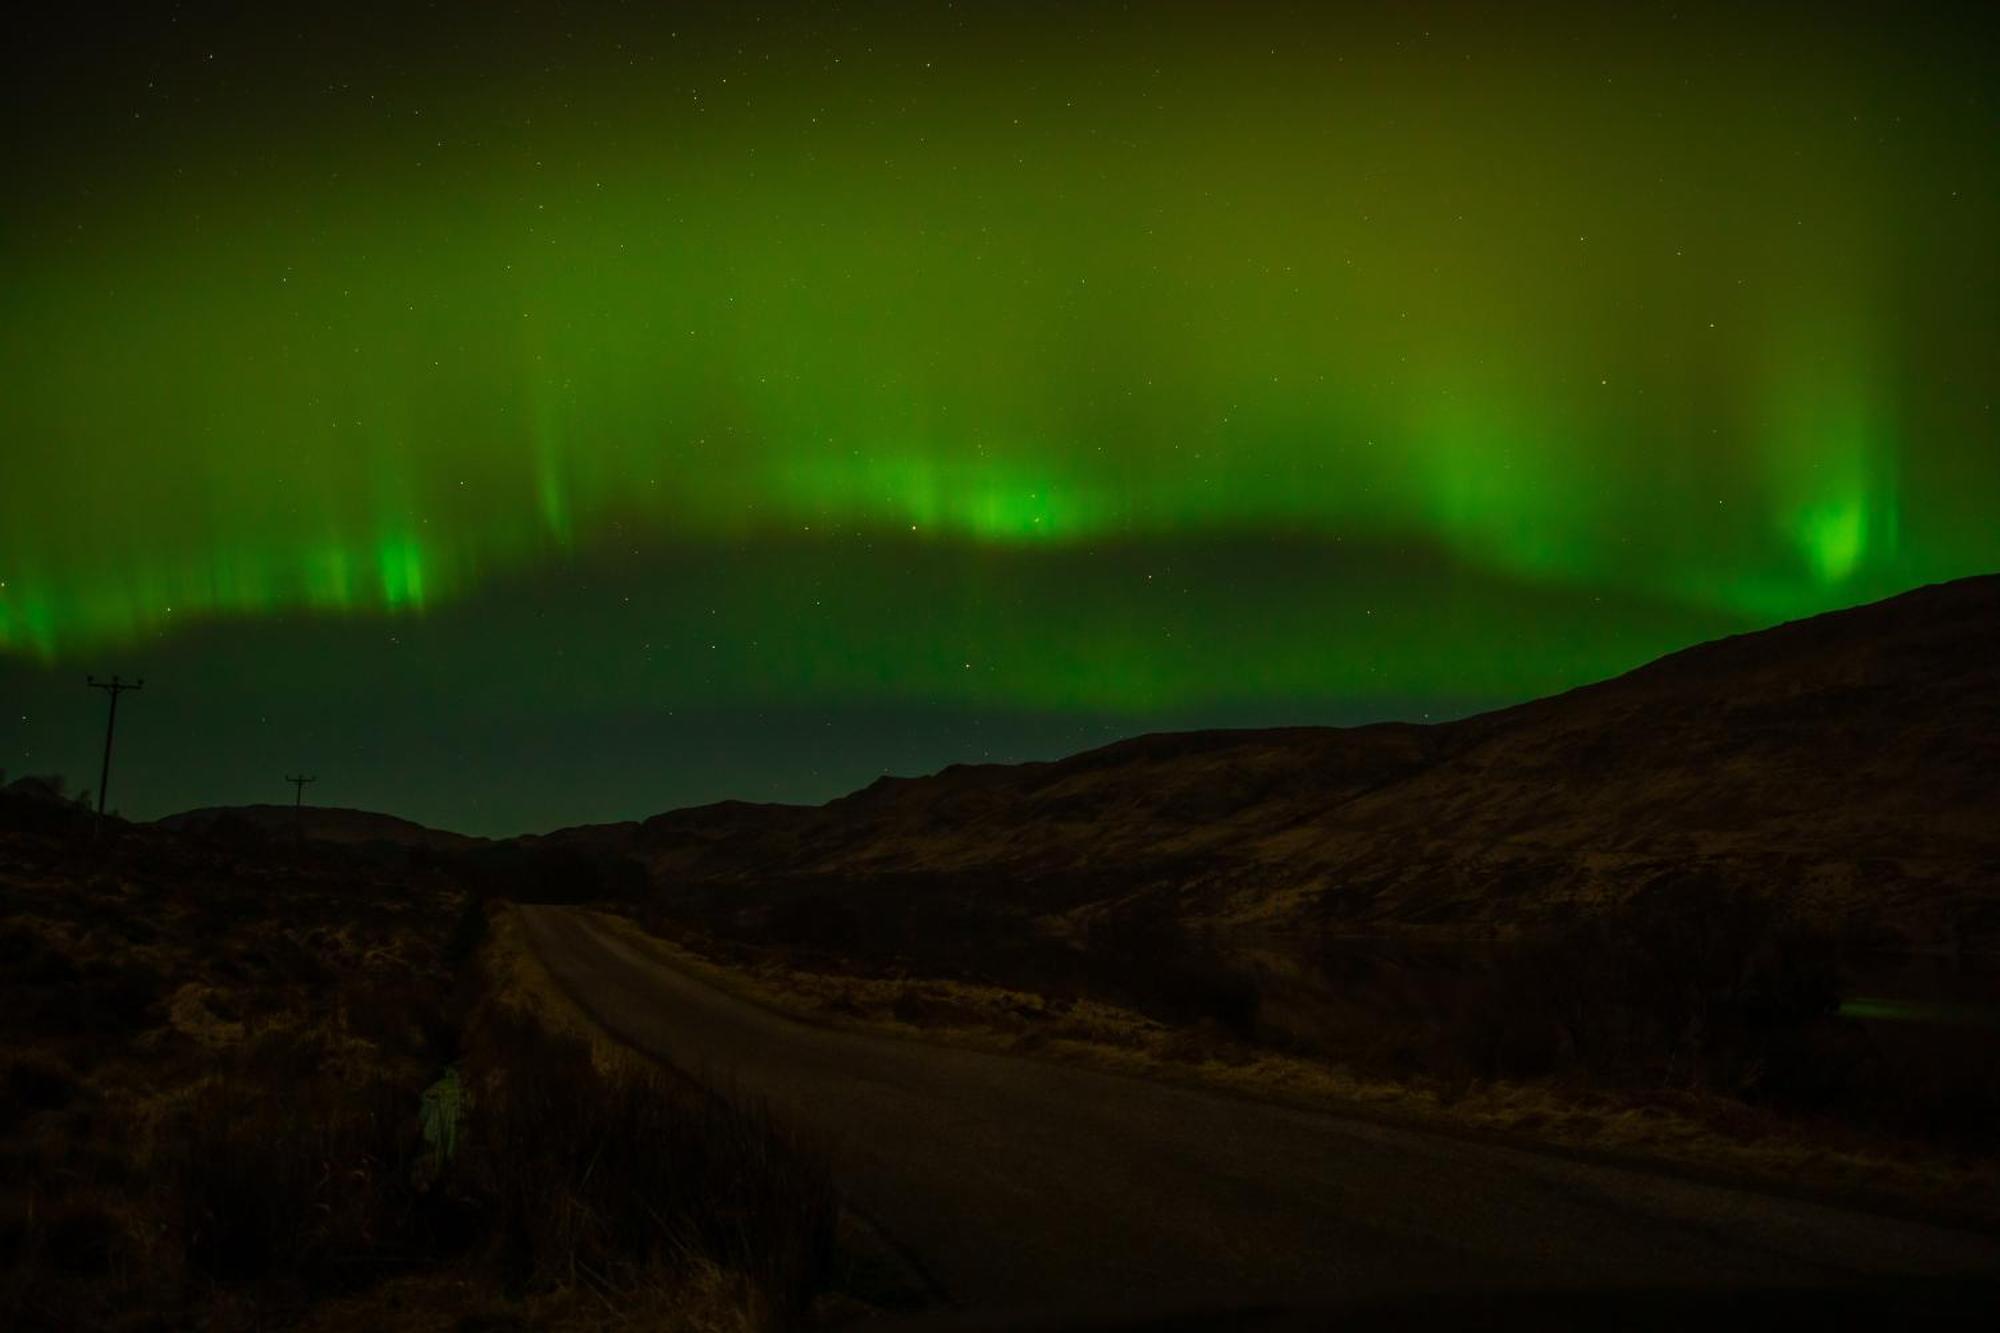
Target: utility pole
(113,687)
(299,783)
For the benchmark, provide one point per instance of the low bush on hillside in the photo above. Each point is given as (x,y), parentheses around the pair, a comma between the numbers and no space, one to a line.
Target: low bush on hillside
(1178,977)
(1697,985)
(1687,982)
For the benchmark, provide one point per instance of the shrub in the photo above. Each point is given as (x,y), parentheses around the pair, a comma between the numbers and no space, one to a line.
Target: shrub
(1159,968)
(83,1238)
(302,1182)
(469,932)
(1689,981)
(34,1081)
(613,1180)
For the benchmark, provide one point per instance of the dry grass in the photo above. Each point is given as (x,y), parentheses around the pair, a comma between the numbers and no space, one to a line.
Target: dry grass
(211,1066)
(517,982)
(867,1278)
(623,1185)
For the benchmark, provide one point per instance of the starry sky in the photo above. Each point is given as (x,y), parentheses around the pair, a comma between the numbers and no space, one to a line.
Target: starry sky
(526,415)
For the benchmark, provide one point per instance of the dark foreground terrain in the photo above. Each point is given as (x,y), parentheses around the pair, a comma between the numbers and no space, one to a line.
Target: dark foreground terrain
(250,1084)
(1018,1184)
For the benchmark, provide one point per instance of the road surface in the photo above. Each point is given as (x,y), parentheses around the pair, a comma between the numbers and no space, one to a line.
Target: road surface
(1020,1184)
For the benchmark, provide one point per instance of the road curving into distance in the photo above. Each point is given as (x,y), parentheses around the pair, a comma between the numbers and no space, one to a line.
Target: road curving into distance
(1018,1184)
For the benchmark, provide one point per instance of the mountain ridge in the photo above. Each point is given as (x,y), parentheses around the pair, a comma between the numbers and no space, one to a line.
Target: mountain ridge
(1851,759)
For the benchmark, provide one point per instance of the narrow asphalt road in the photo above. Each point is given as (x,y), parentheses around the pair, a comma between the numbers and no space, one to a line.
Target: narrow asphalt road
(1017,1183)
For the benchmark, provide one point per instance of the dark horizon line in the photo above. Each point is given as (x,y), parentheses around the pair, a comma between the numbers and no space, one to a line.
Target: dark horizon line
(1863,607)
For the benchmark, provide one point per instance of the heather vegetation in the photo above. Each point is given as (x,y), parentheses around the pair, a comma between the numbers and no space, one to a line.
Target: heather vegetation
(248,1084)
(1696,985)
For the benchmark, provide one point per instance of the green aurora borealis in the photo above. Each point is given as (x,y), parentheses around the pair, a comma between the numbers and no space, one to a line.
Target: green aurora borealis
(1161,366)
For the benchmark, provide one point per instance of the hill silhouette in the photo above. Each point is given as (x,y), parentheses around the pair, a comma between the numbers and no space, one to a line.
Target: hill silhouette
(318,823)
(1850,762)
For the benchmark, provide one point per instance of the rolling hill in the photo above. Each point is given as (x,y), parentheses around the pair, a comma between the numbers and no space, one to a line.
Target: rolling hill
(1850,761)
(319,824)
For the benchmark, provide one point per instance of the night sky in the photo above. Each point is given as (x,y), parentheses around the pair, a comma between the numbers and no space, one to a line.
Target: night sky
(521,416)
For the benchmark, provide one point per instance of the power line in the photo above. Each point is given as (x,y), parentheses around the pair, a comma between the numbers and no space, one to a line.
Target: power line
(113,687)
(299,783)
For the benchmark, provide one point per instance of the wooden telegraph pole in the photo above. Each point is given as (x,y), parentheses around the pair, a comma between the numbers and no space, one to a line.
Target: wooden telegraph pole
(113,687)
(299,783)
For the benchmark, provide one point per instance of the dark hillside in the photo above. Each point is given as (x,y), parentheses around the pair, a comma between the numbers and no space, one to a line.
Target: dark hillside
(1850,762)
